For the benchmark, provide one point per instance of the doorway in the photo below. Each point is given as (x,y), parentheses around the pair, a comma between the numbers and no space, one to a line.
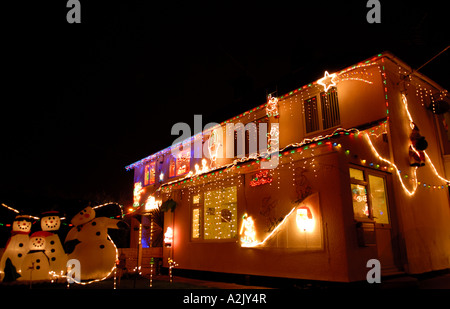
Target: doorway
(371,203)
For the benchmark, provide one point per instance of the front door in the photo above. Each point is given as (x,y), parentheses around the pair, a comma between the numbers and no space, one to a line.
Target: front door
(371,202)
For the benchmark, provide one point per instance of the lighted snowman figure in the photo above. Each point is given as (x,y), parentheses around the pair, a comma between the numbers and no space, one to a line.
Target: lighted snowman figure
(16,249)
(36,266)
(88,242)
(51,222)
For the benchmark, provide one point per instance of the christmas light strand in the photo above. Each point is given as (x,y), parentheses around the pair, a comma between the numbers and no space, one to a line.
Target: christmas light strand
(10,208)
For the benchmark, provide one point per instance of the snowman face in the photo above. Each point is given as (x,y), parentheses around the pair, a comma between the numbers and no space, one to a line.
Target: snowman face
(37,243)
(21,226)
(50,223)
(83,216)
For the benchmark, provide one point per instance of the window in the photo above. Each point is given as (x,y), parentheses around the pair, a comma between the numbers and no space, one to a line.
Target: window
(251,139)
(359,198)
(369,196)
(149,174)
(330,109)
(214,214)
(196,216)
(378,198)
(311,115)
(220,213)
(181,164)
(172,167)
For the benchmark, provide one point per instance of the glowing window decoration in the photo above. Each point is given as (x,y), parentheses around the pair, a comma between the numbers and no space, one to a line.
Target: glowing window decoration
(327,81)
(196,199)
(261,178)
(183,162)
(304,219)
(168,237)
(152,204)
(247,232)
(359,198)
(272,106)
(172,167)
(149,174)
(196,223)
(220,209)
(137,193)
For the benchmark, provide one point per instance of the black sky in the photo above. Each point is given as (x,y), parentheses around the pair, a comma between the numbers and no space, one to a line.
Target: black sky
(82,101)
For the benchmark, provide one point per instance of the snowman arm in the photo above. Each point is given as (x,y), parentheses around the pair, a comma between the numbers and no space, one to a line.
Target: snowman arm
(69,245)
(108,222)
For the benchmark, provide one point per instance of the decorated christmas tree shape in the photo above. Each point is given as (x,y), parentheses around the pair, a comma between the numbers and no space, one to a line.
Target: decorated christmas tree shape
(16,249)
(36,266)
(51,222)
(88,241)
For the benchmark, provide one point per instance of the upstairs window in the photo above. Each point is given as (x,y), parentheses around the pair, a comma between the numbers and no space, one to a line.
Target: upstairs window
(149,174)
(180,164)
(183,163)
(328,110)
(311,115)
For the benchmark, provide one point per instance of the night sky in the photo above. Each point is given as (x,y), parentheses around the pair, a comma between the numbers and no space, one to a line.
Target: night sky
(82,101)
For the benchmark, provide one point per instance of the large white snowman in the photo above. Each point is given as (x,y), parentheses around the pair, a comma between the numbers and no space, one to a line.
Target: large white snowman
(36,266)
(89,243)
(16,249)
(51,222)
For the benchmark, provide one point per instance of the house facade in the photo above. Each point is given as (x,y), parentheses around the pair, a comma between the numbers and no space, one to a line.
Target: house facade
(359,169)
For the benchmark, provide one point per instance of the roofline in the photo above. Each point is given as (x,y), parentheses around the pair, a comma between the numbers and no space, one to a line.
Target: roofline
(418,74)
(386,54)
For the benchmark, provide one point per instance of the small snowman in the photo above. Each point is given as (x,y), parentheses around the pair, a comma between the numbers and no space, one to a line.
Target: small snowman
(16,249)
(36,266)
(89,243)
(51,222)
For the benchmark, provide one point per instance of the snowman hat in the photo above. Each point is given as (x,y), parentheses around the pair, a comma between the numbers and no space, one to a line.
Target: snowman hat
(25,218)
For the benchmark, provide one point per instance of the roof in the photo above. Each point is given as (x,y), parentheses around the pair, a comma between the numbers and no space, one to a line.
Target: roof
(366,62)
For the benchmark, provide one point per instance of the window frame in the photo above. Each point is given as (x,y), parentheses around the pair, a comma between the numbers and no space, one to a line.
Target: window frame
(366,172)
(150,167)
(320,120)
(201,207)
(198,206)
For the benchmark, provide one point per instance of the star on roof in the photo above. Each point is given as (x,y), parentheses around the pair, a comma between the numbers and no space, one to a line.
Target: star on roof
(327,80)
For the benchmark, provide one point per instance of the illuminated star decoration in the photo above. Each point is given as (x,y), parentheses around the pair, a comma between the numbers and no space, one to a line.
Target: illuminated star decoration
(327,80)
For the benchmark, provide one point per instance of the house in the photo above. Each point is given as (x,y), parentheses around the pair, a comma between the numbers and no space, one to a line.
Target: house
(361,169)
